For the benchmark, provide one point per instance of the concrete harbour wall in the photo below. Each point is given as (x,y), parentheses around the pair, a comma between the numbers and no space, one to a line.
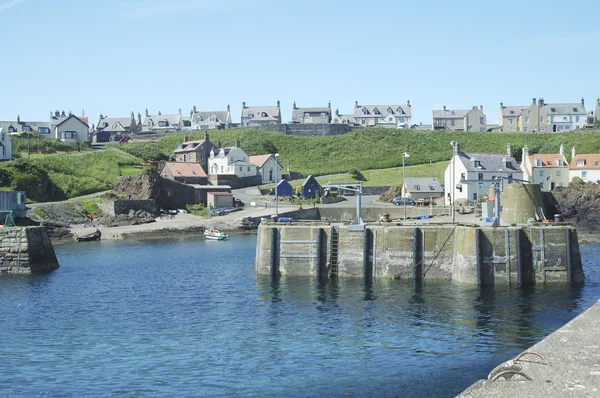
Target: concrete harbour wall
(26,250)
(466,254)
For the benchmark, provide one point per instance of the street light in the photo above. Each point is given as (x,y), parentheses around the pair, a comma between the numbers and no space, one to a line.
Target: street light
(276,184)
(453,188)
(404,156)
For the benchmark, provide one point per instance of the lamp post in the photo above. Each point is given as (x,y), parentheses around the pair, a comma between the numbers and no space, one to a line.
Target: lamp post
(453,188)
(276,184)
(404,156)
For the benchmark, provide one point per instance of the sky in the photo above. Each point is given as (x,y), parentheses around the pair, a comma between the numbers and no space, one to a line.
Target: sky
(118,56)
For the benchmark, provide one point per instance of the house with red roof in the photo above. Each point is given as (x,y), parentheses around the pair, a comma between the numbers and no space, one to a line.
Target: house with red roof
(184,172)
(585,166)
(268,167)
(550,170)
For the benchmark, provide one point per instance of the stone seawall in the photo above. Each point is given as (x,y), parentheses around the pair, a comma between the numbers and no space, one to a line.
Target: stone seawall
(307,129)
(26,250)
(467,254)
(116,207)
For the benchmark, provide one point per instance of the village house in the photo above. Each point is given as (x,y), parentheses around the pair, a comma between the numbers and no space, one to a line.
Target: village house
(477,166)
(586,167)
(256,116)
(5,145)
(160,122)
(310,188)
(422,188)
(553,118)
(195,151)
(339,118)
(315,115)
(184,172)
(20,126)
(510,118)
(58,117)
(71,129)
(231,166)
(460,120)
(389,116)
(114,128)
(268,167)
(547,170)
(210,120)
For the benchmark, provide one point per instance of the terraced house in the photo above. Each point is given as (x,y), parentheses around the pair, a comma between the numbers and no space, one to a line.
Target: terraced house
(460,120)
(551,118)
(389,116)
(510,118)
(21,126)
(314,115)
(256,116)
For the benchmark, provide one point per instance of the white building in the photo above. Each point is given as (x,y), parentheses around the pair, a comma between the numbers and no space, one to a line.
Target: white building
(72,130)
(231,161)
(548,170)
(586,167)
(477,166)
(210,120)
(160,122)
(268,167)
(389,116)
(566,117)
(5,146)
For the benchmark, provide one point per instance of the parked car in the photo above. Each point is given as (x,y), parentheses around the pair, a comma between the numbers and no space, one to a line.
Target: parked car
(402,201)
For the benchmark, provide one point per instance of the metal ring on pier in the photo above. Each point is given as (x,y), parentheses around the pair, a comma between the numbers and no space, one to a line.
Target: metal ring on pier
(521,355)
(511,372)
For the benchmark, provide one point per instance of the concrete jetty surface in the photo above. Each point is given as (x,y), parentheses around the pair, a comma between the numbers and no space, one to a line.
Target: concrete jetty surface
(568,365)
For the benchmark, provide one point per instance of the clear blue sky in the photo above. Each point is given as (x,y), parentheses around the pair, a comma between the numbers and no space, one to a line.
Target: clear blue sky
(118,56)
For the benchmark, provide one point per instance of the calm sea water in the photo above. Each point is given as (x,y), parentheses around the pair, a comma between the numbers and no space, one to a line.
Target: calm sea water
(189,317)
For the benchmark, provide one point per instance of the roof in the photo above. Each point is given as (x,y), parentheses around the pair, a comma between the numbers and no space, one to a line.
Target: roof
(344,119)
(565,109)
(19,125)
(220,193)
(308,179)
(172,119)
(450,114)
(185,169)
(383,109)
(298,112)
(423,185)
(190,146)
(199,117)
(73,116)
(508,111)
(259,160)
(488,162)
(283,182)
(591,161)
(240,163)
(272,112)
(548,159)
(112,123)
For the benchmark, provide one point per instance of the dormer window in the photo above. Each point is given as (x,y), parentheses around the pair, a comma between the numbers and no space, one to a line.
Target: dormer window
(476,163)
(538,162)
(250,115)
(149,123)
(559,162)
(400,111)
(595,164)
(431,188)
(163,123)
(418,187)
(580,163)
(264,114)
(307,115)
(365,111)
(390,111)
(376,111)
(552,109)
(575,109)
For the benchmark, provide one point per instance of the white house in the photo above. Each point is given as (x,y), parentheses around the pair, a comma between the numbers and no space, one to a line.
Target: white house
(390,116)
(566,117)
(231,161)
(422,188)
(5,146)
(548,170)
(586,167)
(210,120)
(268,167)
(477,166)
(160,122)
(72,130)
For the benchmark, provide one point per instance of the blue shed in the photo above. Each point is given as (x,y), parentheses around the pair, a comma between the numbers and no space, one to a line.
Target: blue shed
(284,188)
(311,188)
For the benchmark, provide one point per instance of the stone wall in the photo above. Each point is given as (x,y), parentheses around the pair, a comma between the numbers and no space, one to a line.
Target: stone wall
(26,250)
(114,208)
(175,195)
(307,129)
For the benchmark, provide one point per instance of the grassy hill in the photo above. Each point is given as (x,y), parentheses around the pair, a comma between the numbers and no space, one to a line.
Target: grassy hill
(368,149)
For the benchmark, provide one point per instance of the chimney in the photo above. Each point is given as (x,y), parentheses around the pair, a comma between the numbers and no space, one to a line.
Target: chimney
(185,139)
(481,108)
(228,108)
(70,113)
(573,153)
(598,100)
(582,102)
(83,113)
(295,105)
(562,150)
(206,137)
(159,113)
(63,114)
(179,111)
(101,116)
(329,105)
(541,102)
(501,105)
(139,118)
(51,114)
(456,146)
(57,113)
(147,112)
(474,106)
(356,104)
(237,143)
(337,112)
(509,150)
(244,105)
(278,104)
(408,103)
(525,154)
(191,114)
(219,144)
(444,108)
(18,119)
(534,101)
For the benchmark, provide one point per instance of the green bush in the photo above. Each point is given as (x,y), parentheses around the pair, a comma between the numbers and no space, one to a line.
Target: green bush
(197,210)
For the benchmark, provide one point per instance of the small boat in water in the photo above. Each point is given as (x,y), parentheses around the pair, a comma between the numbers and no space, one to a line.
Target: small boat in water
(89,237)
(215,234)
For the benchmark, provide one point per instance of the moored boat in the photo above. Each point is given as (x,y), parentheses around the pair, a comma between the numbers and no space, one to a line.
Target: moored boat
(215,234)
(90,237)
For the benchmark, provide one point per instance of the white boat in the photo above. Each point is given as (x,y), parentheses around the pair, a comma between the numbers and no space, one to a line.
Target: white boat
(215,234)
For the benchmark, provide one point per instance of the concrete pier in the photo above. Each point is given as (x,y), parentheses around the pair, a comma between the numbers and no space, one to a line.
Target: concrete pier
(468,254)
(26,250)
(564,364)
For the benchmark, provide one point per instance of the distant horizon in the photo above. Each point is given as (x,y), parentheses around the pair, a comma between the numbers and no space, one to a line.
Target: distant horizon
(115,57)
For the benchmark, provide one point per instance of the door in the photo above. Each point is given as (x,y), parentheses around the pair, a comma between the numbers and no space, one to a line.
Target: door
(270,175)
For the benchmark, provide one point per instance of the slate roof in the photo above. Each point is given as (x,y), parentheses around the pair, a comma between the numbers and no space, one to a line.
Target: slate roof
(565,109)
(488,162)
(19,126)
(344,119)
(189,146)
(216,151)
(423,185)
(383,109)
(450,114)
(590,162)
(299,112)
(273,112)
(240,163)
(185,169)
(307,180)
(113,123)
(73,116)
(514,111)
(172,119)
(259,160)
(200,117)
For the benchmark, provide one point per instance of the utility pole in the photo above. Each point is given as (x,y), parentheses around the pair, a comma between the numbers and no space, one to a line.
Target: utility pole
(453,188)
(404,156)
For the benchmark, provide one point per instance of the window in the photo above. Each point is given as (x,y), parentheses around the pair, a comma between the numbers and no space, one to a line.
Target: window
(163,123)
(431,188)
(44,130)
(558,173)
(250,115)
(529,111)
(390,111)
(538,162)
(418,187)
(477,163)
(307,115)
(68,135)
(575,110)
(149,123)
(11,129)
(26,128)
(452,122)
(376,121)
(552,109)
(264,114)
(584,174)
(541,119)
(365,111)
(526,119)
(481,121)
(322,114)
(462,176)
(577,119)
(363,121)
(400,120)
(376,111)
(595,164)
(580,163)
(559,162)
(474,195)
(481,129)
(541,173)
(510,121)
(525,129)
(480,176)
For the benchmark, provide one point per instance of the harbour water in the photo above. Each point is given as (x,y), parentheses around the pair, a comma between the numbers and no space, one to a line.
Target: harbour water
(189,317)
